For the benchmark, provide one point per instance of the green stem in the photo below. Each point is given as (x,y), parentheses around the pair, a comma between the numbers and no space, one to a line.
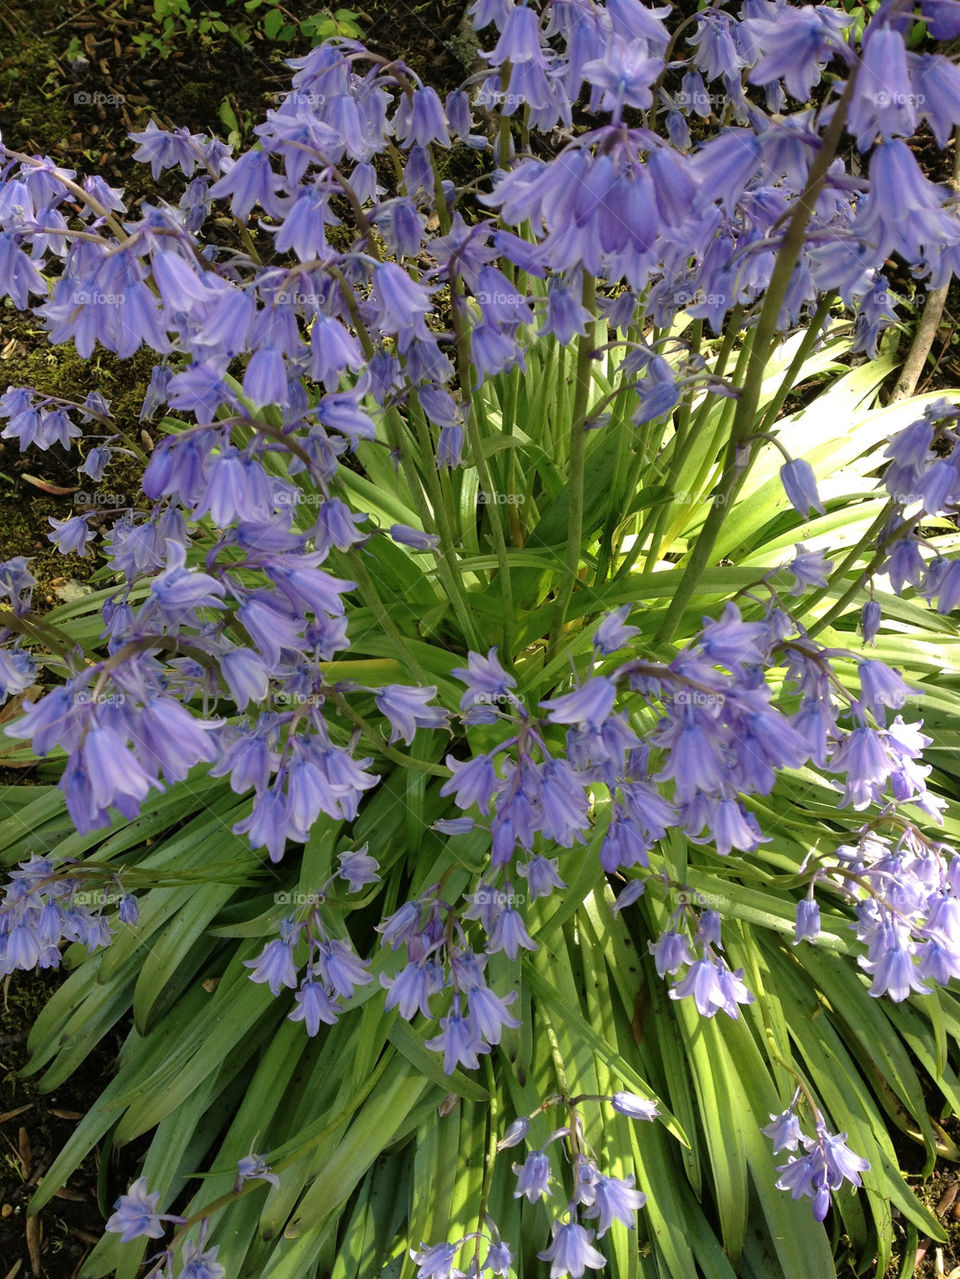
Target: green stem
(738,456)
(578,447)
(474,435)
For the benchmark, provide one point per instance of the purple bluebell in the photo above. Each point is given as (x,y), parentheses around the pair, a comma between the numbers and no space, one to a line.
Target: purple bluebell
(634,1106)
(200,1262)
(253,1168)
(404,535)
(459,1041)
(571,1251)
(135,1214)
(406,709)
(436,1261)
(314,1005)
(358,868)
(411,990)
(533,1177)
(515,1133)
(541,875)
(509,934)
(612,634)
(808,921)
(783,1130)
(274,965)
(800,486)
(499,1259)
(713,987)
(615,1200)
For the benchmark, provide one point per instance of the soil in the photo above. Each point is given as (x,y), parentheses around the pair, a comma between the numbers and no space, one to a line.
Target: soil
(75,79)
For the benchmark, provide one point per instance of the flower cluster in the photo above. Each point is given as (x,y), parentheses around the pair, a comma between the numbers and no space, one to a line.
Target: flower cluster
(826,1165)
(41,907)
(596,1197)
(334,336)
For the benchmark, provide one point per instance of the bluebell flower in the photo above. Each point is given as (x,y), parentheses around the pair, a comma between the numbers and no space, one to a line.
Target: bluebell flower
(903,210)
(473,782)
(163,150)
(274,965)
(615,1200)
(588,707)
(634,1106)
(808,921)
(458,1040)
(200,1262)
(783,1130)
(519,38)
(794,43)
(129,910)
(936,90)
(800,486)
(436,1262)
(809,568)
(533,1177)
(249,181)
(498,1260)
(135,1214)
(411,990)
(454,825)
(404,535)
(485,678)
(942,18)
(314,1005)
(17,670)
(402,304)
(571,1252)
(340,967)
(541,875)
(488,1013)
(515,1133)
(713,987)
(509,934)
(565,316)
(826,1165)
(612,635)
(406,709)
(870,617)
(626,73)
(358,868)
